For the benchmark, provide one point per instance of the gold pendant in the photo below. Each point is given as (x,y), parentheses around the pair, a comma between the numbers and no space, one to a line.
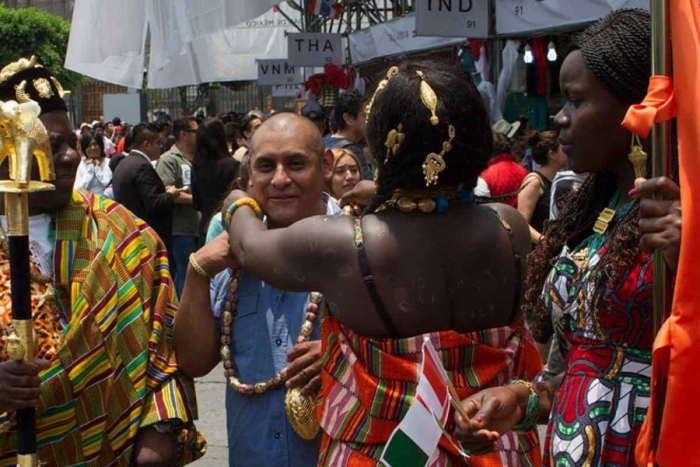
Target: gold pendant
(301,413)
(433,165)
(638,157)
(603,222)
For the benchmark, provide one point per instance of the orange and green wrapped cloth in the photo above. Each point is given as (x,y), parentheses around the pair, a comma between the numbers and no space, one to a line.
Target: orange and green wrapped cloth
(112,362)
(369,384)
(677,347)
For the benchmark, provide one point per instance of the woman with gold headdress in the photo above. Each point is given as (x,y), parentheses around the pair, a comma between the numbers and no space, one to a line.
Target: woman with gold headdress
(406,270)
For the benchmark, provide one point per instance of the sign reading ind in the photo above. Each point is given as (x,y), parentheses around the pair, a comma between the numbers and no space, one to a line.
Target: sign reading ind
(278,73)
(453,18)
(313,49)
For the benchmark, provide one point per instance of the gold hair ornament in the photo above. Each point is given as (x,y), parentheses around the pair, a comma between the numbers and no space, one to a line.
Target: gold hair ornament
(429,98)
(638,157)
(15,67)
(393,141)
(393,71)
(43,88)
(434,163)
(61,92)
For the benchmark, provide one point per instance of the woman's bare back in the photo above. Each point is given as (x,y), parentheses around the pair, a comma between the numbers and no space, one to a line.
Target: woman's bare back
(433,272)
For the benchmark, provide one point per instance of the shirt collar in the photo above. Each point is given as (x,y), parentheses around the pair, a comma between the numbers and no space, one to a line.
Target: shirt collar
(142,154)
(332,207)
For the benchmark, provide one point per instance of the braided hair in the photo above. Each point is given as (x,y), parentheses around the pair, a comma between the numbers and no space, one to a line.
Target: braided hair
(399,103)
(617,51)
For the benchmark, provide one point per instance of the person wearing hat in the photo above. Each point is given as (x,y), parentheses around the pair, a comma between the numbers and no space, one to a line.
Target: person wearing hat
(314,112)
(105,381)
(503,177)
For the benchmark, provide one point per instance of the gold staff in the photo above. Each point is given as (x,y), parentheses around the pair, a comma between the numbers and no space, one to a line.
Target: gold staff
(22,137)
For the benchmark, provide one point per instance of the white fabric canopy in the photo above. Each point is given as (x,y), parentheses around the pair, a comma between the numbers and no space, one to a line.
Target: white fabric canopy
(192,41)
(527,16)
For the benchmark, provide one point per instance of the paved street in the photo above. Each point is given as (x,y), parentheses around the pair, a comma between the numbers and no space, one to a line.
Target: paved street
(212,418)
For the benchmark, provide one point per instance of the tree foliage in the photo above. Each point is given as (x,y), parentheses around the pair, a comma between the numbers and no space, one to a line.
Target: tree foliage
(27,31)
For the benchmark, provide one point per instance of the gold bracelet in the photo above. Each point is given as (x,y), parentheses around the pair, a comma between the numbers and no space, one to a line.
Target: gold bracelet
(197,268)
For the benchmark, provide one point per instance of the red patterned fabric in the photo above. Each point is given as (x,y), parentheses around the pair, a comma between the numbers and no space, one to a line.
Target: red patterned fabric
(369,384)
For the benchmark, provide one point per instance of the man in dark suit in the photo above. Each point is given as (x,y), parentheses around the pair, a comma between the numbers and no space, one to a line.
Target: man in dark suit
(138,186)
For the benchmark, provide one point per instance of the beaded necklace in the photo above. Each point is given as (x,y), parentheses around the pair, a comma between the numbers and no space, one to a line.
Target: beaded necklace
(230,310)
(426,201)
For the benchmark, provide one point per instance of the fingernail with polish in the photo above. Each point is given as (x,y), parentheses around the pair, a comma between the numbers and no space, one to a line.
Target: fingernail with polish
(632,192)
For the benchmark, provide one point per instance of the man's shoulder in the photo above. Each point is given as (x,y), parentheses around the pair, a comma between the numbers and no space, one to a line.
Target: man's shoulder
(171,155)
(132,162)
(113,218)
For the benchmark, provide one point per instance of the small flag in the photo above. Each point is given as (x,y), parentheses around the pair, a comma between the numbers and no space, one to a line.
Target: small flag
(415,439)
(329,8)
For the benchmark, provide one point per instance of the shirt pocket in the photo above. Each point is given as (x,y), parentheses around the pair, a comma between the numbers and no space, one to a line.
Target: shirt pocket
(246,323)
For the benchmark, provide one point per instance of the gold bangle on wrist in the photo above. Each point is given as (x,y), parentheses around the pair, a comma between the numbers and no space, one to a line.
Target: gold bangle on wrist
(532,411)
(197,268)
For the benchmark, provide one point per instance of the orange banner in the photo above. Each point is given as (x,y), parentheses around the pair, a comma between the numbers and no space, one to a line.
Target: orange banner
(677,347)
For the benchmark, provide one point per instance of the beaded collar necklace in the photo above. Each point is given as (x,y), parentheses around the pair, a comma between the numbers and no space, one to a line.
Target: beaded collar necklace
(230,310)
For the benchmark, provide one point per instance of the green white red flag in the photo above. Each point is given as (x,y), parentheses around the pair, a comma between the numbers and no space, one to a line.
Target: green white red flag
(416,438)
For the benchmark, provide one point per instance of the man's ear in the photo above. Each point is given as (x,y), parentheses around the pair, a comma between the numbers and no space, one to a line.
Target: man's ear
(328,163)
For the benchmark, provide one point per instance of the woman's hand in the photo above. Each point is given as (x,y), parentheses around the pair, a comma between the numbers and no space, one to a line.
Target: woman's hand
(659,217)
(492,412)
(360,196)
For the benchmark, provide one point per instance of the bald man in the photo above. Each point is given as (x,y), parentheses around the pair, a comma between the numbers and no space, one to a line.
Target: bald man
(287,169)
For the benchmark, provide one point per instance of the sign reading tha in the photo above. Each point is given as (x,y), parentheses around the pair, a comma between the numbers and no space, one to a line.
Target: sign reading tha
(312,49)
(452,18)
(278,73)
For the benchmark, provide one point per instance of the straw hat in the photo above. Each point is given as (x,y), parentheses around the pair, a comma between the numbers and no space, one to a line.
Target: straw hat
(505,128)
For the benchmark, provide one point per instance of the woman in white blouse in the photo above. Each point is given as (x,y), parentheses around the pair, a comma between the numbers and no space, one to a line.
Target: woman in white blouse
(93,172)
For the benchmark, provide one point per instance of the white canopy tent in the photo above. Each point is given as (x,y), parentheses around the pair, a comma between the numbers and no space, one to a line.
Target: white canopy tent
(192,41)
(198,41)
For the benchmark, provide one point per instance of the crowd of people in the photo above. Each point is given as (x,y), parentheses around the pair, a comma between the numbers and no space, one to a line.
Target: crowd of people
(314,253)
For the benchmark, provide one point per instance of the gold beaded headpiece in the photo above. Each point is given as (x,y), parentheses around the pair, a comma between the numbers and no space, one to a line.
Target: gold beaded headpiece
(393,71)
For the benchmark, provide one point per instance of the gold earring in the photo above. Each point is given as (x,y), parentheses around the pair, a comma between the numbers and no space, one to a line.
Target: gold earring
(638,157)
(434,163)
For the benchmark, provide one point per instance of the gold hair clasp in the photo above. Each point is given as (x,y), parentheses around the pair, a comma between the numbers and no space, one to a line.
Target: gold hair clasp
(429,98)
(435,163)
(393,141)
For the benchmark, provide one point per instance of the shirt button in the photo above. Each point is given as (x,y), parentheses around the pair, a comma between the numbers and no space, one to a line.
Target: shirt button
(277,436)
(278,342)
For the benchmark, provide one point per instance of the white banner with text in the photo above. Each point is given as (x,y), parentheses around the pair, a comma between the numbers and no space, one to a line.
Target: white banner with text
(527,16)
(452,18)
(395,37)
(278,72)
(315,49)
